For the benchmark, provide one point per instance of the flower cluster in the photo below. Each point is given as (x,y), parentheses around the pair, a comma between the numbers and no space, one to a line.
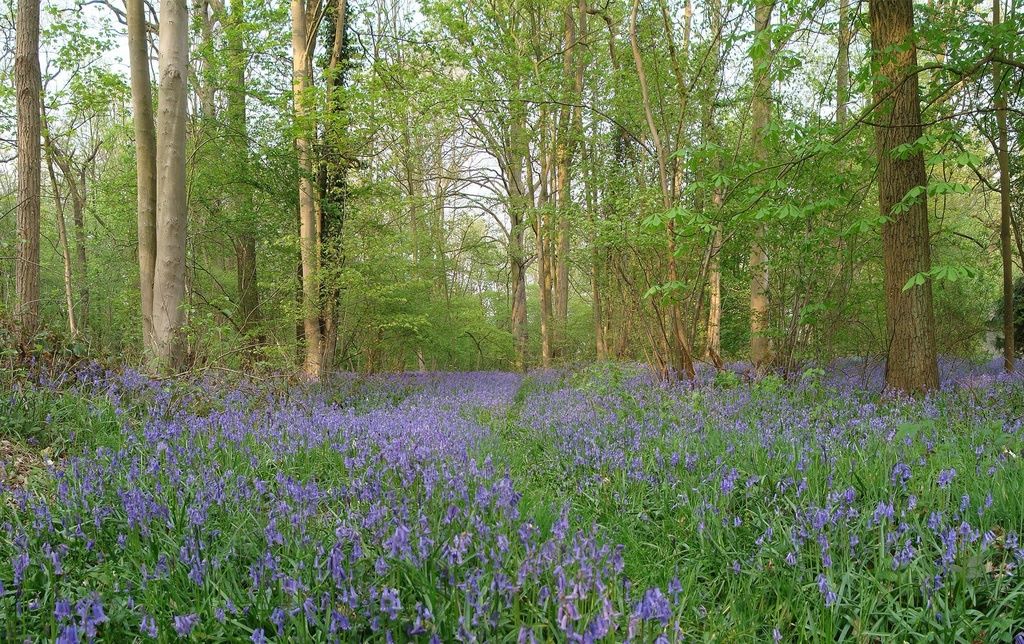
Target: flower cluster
(479,507)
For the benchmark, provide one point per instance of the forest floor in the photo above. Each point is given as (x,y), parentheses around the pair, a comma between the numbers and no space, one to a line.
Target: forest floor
(593,505)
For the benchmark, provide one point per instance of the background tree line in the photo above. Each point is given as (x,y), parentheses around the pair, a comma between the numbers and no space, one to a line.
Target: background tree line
(383,184)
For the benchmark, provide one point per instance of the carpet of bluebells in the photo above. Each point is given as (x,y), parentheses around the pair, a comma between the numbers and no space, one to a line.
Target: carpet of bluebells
(594,505)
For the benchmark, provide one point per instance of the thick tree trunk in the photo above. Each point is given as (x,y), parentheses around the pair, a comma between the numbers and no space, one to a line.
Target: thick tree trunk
(910,320)
(1005,250)
(172,207)
(28,87)
(145,162)
(760,347)
(309,242)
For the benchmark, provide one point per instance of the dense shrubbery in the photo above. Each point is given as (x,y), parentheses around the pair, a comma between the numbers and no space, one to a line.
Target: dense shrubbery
(592,506)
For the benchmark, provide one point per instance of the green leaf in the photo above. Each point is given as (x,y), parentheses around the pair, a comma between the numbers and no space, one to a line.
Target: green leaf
(916,280)
(652,222)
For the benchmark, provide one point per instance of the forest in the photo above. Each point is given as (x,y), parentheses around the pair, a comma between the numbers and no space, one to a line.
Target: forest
(511,320)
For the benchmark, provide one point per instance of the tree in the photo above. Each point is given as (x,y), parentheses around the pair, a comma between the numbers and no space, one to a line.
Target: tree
(1005,216)
(681,352)
(333,179)
(28,86)
(145,162)
(62,229)
(911,364)
(242,201)
(171,203)
(305,20)
(711,135)
(760,109)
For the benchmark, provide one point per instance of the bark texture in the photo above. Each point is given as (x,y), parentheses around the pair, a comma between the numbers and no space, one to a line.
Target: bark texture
(760,348)
(169,313)
(910,321)
(1005,249)
(145,161)
(28,87)
(309,242)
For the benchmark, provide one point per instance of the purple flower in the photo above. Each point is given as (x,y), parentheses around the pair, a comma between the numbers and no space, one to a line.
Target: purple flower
(884,511)
(183,624)
(904,556)
(826,590)
(148,626)
(946,477)
(390,603)
(62,610)
(654,607)
(901,473)
(68,634)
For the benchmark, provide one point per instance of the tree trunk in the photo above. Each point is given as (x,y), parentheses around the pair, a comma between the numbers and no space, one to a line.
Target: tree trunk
(28,87)
(334,189)
(843,64)
(713,346)
(205,88)
(238,131)
(760,348)
(566,144)
(145,162)
(597,306)
(1005,250)
(76,194)
(683,358)
(309,243)
(78,197)
(518,202)
(172,207)
(713,351)
(910,320)
(545,280)
(62,234)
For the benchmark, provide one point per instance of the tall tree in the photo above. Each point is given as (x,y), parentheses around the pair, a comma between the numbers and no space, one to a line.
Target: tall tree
(145,161)
(305,20)
(242,201)
(169,313)
(713,346)
(1003,155)
(681,351)
(62,229)
(512,159)
(760,109)
(911,365)
(568,136)
(28,86)
(333,178)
